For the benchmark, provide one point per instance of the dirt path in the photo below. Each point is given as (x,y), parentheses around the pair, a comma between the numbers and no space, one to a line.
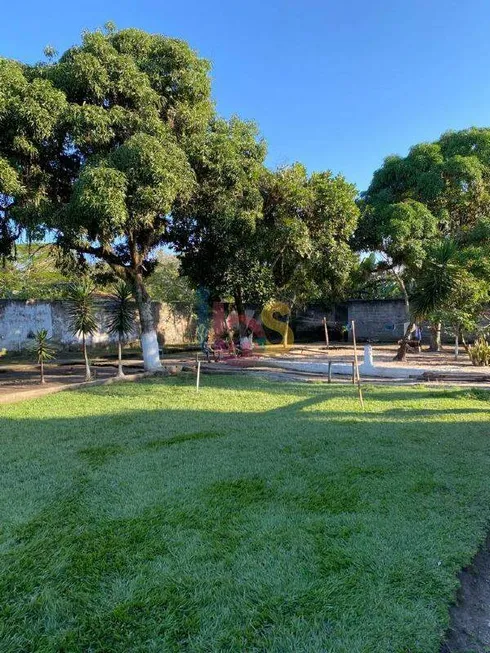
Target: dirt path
(20,381)
(470,618)
(22,384)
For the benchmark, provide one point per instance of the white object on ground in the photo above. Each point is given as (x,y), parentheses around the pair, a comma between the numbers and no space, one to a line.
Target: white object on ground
(368,356)
(394,372)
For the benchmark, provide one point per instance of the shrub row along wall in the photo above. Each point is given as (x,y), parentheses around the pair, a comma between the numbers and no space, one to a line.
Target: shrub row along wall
(19,320)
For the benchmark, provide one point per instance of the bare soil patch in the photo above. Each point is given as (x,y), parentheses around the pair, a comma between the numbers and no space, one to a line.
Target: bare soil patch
(469,631)
(21,378)
(19,382)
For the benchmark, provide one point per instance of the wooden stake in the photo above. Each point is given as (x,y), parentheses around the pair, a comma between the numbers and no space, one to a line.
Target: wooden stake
(356,363)
(327,340)
(330,371)
(198,375)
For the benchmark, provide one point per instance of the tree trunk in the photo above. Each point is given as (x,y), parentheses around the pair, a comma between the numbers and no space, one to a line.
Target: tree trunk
(456,342)
(325,327)
(288,320)
(119,358)
(149,341)
(286,331)
(240,309)
(88,375)
(401,354)
(435,337)
(41,367)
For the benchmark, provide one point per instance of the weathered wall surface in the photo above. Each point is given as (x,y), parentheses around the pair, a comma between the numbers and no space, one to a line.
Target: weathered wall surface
(377,320)
(175,324)
(307,324)
(381,320)
(19,320)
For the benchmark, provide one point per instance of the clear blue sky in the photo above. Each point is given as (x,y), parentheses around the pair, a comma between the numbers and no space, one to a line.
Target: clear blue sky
(335,84)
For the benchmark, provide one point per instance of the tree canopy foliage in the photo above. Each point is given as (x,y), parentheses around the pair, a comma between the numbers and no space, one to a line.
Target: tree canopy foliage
(33,273)
(95,146)
(255,234)
(448,179)
(115,149)
(425,206)
(304,236)
(215,231)
(439,189)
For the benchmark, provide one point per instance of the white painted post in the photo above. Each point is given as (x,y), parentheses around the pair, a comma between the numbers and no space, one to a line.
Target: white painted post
(198,375)
(368,356)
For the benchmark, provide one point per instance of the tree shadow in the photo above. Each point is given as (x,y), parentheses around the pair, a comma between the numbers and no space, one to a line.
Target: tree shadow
(279,525)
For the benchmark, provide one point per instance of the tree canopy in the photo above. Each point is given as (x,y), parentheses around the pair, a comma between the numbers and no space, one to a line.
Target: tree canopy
(215,231)
(450,178)
(95,147)
(439,191)
(304,236)
(114,149)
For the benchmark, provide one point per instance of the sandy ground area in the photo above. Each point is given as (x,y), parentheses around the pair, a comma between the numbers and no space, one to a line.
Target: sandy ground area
(21,380)
(383,356)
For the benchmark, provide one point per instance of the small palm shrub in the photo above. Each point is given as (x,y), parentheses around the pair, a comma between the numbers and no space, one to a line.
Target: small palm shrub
(479,352)
(122,315)
(44,352)
(81,312)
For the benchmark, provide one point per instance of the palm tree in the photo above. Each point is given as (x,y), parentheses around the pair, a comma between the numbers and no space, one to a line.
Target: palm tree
(437,279)
(122,314)
(434,285)
(43,351)
(81,312)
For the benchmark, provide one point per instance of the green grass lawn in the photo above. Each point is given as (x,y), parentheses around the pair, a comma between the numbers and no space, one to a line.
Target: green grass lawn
(253,516)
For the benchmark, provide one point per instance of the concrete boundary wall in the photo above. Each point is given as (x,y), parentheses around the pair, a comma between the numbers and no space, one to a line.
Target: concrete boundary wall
(20,319)
(378,320)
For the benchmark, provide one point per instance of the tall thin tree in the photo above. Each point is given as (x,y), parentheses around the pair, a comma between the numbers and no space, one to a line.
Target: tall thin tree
(81,311)
(122,314)
(44,352)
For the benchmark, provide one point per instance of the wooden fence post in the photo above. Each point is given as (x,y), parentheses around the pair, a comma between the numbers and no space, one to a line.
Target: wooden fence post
(356,363)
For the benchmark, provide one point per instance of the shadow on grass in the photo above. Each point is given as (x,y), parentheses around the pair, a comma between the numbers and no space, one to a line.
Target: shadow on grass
(224,521)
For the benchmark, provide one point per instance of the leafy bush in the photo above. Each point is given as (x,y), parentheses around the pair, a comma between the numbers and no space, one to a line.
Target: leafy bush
(479,353)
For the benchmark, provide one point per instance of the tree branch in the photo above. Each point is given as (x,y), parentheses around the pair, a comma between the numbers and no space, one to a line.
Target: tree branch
(109,257)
